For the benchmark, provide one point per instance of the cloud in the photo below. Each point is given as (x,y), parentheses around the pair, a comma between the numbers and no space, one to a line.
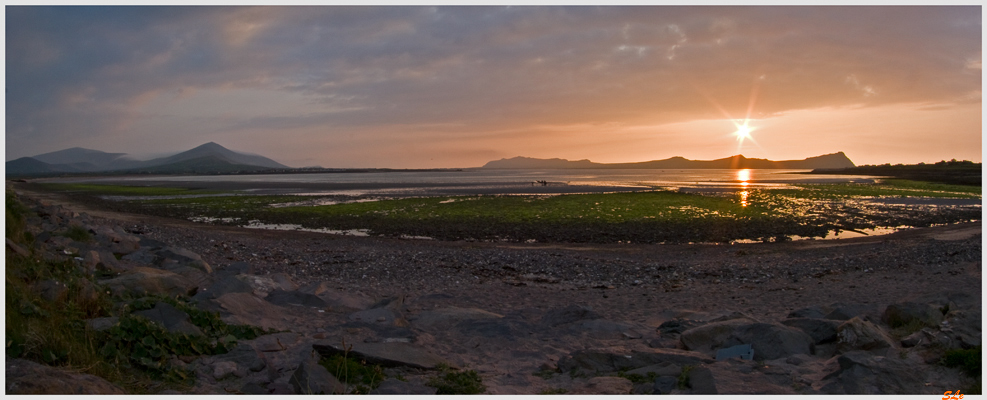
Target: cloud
(78,74)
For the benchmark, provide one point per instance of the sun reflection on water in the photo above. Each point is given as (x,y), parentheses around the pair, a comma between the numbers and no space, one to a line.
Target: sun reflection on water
(743,198)
(744,176)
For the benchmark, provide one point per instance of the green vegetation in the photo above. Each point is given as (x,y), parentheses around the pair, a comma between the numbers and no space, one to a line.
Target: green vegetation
(968,361)
(364,377)
(643,217)
(638,378)
(684,377)
(78,233)
(48,303)
(451,382)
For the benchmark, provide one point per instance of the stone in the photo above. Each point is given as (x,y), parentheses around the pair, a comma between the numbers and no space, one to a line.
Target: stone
(101,324)
(337,300)
(710,337)
(312,378)
(247,309)
(382,316)
(284,281)
(845,311)
(17,249)
(964,326)
(665,384)
(27,377)
(141,281)
(261,285)
(820,330)
(283,298)
(857,334)
(223,369)
(901,314)
(606,385)
(184,257)
(664,368)
(445,318)
(814,312)
(861,372)
(171,318)
(594,362)
(394,386)
(701,381)
(605,329)
(51,290)
(393,354)
(226,284)
(142,257)
(569,314)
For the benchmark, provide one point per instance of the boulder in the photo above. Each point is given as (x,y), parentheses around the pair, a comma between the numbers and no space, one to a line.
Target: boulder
(246,309)
(382,316)
(857,334)
(606,385)
(394,354)
(861,372)
(770,341)
(820,330)
(394,386)
(27,377)
(445,318)
(964,326)
(337,300)
(284,281)
(594,362)
(261,285)
(845,311)
(701,381)
(171,318)
(141,281)
(710,337)
(283,298)
(665,384)
(182,256)
(312,378)
(569,314)
(901,314)
(224,285)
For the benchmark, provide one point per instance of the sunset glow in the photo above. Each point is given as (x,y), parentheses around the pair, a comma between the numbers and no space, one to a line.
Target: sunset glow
(424,87)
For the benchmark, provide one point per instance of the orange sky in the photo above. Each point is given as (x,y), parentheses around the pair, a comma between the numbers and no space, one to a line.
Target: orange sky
(412,87)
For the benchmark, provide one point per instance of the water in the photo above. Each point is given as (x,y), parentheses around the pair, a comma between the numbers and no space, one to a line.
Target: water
(488,181)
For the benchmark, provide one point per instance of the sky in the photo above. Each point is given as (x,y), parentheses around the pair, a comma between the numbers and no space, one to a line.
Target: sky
(447,87)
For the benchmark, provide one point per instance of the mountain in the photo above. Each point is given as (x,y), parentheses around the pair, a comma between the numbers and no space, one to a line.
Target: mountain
(210,158)
(836,160)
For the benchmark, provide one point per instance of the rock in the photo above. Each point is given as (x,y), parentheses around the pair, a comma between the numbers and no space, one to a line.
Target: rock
(901,314)
(223,369)
(101,324)
(446,318)
(142,257)
(312,378)
(284,281)
(17,249)
(676,326)
(664,368)
(864,373)
(224,285)
(246,309)
(382,316)
(594,362)
(171,318)
(845,311)
(665,384)
(26,377)
(280,341)
(394,386)
(964,326)
(568,314)
(814,312)
(141,281)
(51,290)
(701,381)
(606,329)
(394,354)
(182,256)
(857,334)
(283,298)
(710,337)
(337,300)
(606,385)
(261,285)
(195,275)
(820,330)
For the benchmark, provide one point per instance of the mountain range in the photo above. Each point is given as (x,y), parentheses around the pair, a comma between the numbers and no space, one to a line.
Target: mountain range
(835,160)
(205,159)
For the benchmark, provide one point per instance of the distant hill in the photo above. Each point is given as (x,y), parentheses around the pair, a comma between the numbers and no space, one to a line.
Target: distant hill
(953,172)
(836,160)
(209,158)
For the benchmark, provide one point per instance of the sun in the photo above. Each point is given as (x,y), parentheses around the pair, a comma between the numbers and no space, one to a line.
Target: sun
(743,132)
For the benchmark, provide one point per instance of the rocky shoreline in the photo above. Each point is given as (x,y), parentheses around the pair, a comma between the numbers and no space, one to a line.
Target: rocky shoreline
(869,315)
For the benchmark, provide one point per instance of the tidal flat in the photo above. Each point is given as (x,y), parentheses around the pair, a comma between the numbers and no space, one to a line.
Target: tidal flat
(722,215)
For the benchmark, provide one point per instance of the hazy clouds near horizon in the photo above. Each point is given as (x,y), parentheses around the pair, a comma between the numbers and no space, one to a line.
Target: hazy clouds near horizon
(458,86)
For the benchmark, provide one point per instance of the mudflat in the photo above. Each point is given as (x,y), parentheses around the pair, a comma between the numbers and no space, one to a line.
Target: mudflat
(535,309)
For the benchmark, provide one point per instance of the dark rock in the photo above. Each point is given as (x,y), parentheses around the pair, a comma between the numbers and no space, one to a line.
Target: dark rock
(101,324)
(238,268)
(901,314)
(446,318)
(142,257)
(246,356)
(643,388)
(312,378)
(864,373)
(171,318)
(382,316)
(710,337)
(393,354)
(254,388)
(17,249)
(142,281)
(665,384)
(594,362)
(845,311)
(394,386)
(701,381)
(283,298)
(676,326)
(770,341)
(284,281)
(964,326)
(27,377)
(820,330)
(247,309)
(606,329)
(226,284)
(568,314)
(857,334)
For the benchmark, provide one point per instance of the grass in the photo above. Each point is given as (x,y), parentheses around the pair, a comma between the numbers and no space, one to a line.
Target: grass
(968,361)
(362,376)
(452,382)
